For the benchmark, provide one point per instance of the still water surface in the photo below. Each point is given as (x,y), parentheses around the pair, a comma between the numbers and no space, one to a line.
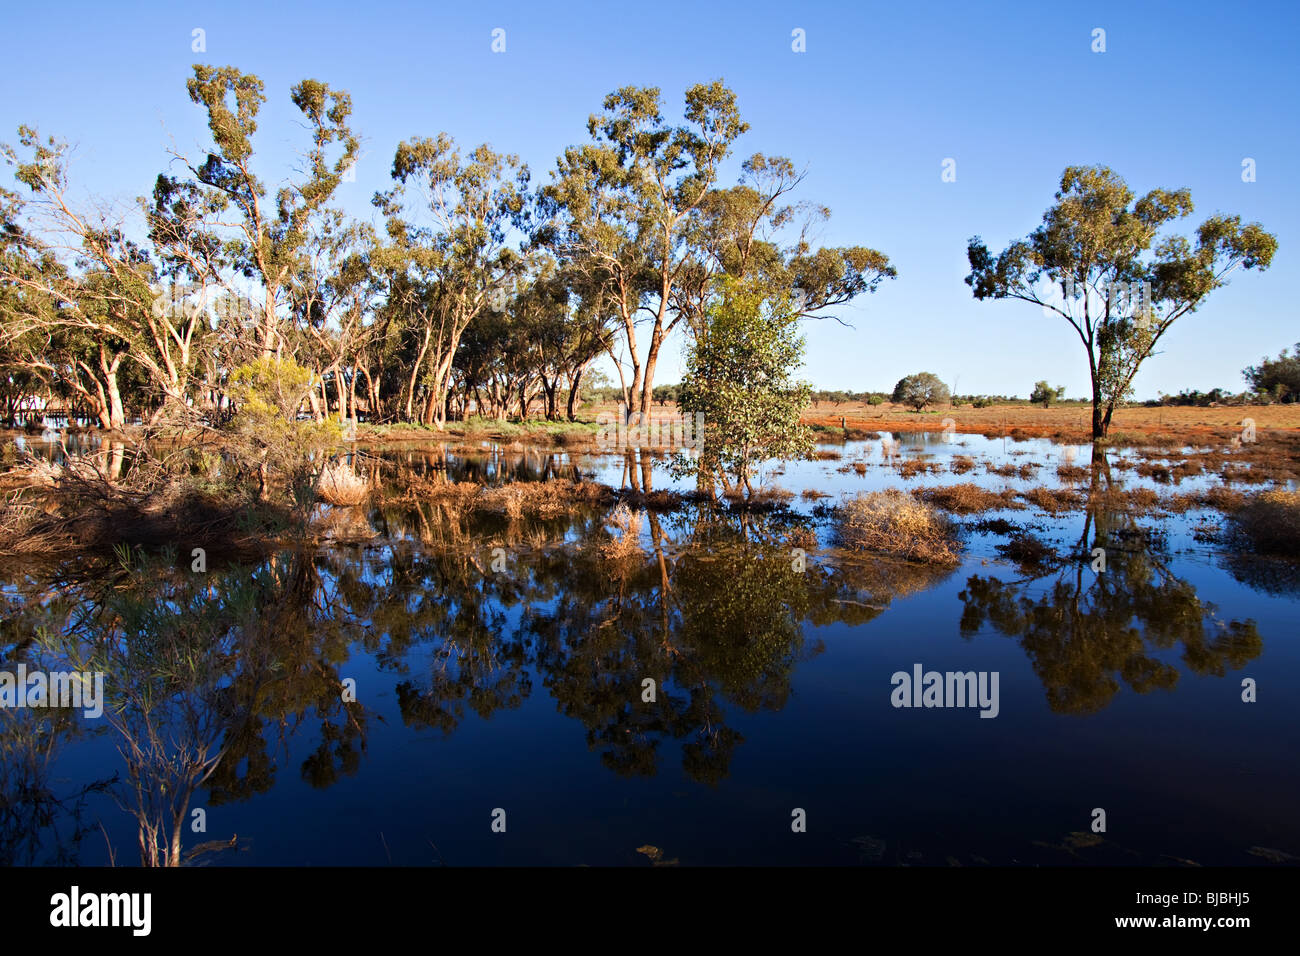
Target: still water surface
(513,680)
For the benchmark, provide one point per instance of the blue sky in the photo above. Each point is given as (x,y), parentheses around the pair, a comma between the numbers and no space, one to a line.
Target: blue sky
(884,93)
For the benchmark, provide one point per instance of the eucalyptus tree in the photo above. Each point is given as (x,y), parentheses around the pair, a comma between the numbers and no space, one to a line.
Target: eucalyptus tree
(1098,262)
(449,256)
(755,230)
(79,296)
(263,240)
(334,291)
(621,206)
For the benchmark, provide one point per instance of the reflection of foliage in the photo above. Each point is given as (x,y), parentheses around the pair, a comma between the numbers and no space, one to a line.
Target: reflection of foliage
(1085,632)
(209,674)
(33,818)
(712,611)
(196,668)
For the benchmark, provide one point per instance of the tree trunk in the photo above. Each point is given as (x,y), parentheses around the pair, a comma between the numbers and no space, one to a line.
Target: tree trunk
(574,385)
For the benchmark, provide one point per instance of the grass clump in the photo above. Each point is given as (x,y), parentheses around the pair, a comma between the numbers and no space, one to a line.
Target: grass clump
(891,522)
(340,485)
(967,498)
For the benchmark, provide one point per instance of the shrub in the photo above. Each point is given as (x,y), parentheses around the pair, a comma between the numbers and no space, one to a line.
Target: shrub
(890,522)
(340,485)
(1044,394)
(1278,379)
(967,498)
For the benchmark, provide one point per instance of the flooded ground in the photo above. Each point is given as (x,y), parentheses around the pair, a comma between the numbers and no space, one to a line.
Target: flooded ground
(436,675)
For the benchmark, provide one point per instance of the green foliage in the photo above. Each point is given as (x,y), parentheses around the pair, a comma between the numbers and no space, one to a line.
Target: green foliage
(738,377)
(920,390)
(1098,262)
(1043,394)
(1279,378)
(265,429)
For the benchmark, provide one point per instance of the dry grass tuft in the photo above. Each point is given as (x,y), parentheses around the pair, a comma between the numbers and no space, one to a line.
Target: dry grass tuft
(1218,498)
(804,538)
(891,522)
(912,467)
(967,498)
(961,464)
(340,485)
(1053,500)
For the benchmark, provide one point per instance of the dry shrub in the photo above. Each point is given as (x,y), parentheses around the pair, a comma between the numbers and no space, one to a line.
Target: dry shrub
(1218,498)
(860,434)
(826,454)
(812,494)
(1270,520)
(540,499)
(1156,472)
(1222,498)
(340,485)
(916,466)
(1052,500)
(1002,471)
(767,496)
(860,467)
(623,549)
(28,529)
(967,498)
(961,464)
(1125,499)
(1072,472)
(891,522)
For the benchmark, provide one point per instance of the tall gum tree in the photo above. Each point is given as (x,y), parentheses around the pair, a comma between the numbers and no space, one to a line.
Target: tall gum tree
(622,205)
(77,309)
(265,237)
(1098,262)
(449,252)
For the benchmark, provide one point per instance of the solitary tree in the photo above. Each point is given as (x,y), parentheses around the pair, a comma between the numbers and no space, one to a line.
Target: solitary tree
(920,390)
(1045,394)
(1096,261)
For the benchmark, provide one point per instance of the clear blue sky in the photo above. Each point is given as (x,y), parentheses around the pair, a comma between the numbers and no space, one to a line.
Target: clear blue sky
(884,93)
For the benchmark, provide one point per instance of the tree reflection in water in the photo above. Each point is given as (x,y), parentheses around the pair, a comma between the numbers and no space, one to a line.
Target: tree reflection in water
(1085,632)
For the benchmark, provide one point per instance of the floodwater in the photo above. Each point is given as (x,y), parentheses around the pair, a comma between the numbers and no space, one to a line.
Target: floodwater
(622,687)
